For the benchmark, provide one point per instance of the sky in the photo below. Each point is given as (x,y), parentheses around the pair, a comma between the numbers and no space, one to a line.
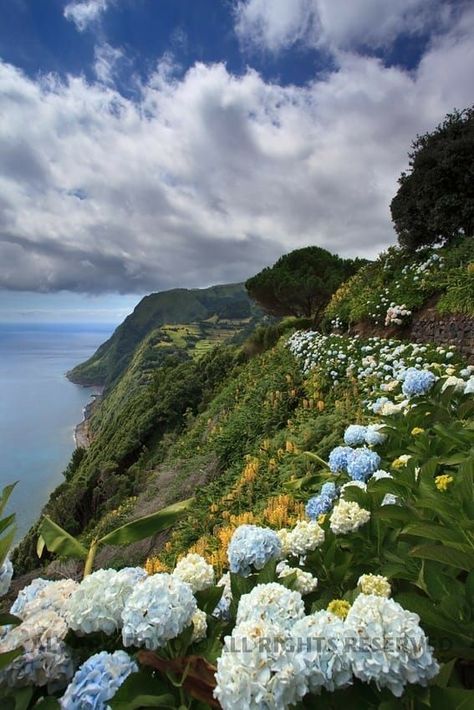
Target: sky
(153,144)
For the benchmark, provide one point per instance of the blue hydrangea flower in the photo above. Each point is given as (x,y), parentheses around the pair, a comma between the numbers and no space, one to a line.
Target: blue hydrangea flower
(338,458)
(27,594)
(362,463)
(323,502)
(417,382)
(374,436)
(97,681)
(378,404)
(355,435)
(6,574)
(252,546)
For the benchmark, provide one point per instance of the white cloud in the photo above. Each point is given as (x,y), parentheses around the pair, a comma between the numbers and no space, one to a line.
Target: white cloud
(338,24)
(209,177)
(106,60)
(85,12)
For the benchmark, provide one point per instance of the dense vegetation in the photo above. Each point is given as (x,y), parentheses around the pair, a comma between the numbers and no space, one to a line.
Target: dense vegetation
(301,282)
(388,291)
(435,200)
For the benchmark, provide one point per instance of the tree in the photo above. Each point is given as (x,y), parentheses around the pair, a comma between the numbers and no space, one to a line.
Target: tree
(301,282)
(435,200)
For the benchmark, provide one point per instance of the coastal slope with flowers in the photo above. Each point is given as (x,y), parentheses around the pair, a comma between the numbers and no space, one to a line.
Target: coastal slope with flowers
(331,561)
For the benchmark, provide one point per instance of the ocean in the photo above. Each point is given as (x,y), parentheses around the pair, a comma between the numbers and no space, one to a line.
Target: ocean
(39,408)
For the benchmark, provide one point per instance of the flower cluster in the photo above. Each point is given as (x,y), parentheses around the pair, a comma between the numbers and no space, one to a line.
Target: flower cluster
(303,538)
(156,611)
(54,596)
(45,658)
(396,315)
(348,516)
(194,570)
(417,382)
(374,584)
(252,546)
(97,681)
(389,647)
(98,603)
(304,583)
(271,602)
(322,503)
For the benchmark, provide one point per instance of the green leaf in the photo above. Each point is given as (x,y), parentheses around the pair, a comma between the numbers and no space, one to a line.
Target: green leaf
(147,526)
(447,556)
(452,698)
(141,690)
(209,598)
(442,679)
(48,704)
(5,544)
(6,522)
(9,620)
(58,540)
(433,532)
(9,656)
(5,495)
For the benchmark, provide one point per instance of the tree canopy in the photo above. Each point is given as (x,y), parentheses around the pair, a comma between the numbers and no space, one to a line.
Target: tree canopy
(301,282)
(435,200)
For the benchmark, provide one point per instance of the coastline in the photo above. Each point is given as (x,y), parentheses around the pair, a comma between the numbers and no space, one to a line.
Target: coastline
(82,433)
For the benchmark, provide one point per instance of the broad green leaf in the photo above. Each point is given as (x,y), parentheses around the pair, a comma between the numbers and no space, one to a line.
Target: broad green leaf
(6,522)
(5,544)
(48,704)
(141,690)
(445,555)
(452,698)
(58,540)
(9,620)
(442,679)
(5,495)
(9,656)
(433,532)
(147,526)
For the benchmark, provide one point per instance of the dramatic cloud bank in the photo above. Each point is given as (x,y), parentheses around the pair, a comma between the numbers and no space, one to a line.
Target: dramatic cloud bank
(278,24)
(208,177)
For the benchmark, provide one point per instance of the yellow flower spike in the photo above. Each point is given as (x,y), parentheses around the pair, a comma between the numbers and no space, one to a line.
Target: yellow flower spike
(339,607)
(320,405)
(417,430)
(442,482)
(154,565)
(321,518)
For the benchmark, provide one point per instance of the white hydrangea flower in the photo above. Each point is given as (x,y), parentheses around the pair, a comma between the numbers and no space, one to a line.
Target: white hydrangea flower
(469,387)
(259,668)
(46,658)
(284,537)
(304,537)
(199,622)
(387,645)
(305,583)
(374,584)
(348,516)
(194,570)
(455,382)
(320,644)
(157,610)
(356,484)
(54,596)
(98,603)
(271,602)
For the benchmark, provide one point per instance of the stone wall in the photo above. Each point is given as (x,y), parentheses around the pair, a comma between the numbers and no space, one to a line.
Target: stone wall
(430,326)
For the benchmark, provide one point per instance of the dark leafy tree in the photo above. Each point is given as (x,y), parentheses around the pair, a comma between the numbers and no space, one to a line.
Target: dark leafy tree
(435,200)
(301,282)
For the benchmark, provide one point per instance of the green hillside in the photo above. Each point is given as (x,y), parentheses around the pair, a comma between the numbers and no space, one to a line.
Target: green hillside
(211,315)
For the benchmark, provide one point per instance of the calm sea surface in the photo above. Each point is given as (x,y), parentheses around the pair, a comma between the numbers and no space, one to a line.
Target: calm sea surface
(39,408)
